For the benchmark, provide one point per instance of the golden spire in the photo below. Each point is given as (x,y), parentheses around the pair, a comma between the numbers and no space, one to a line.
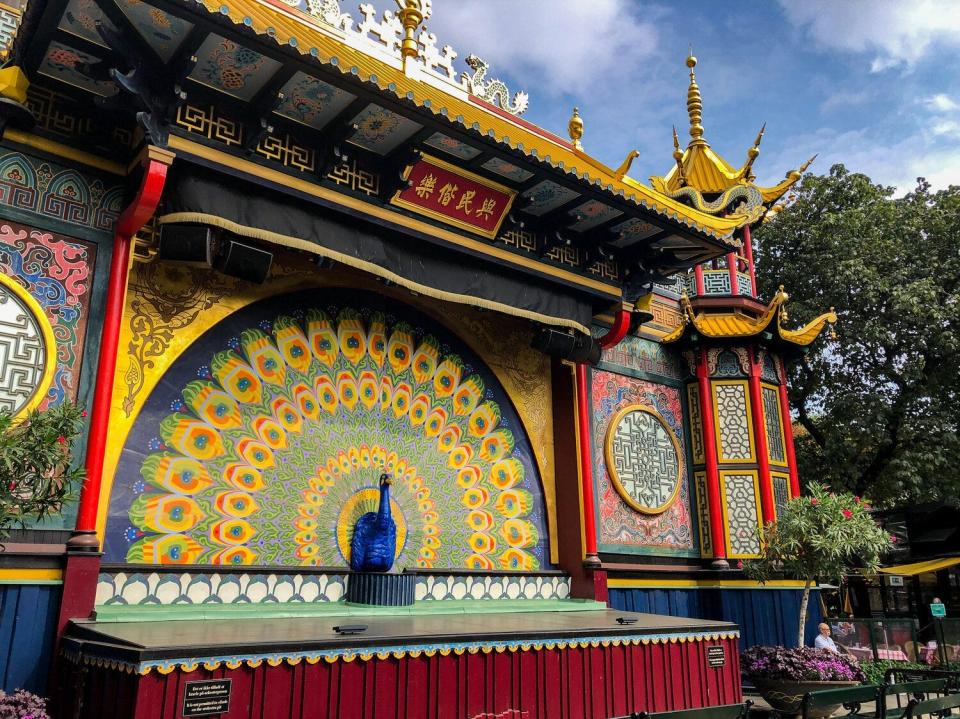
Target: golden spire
(694,103)
(575,128)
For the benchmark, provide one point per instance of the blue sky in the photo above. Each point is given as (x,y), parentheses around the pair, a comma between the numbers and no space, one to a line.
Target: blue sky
(874,84)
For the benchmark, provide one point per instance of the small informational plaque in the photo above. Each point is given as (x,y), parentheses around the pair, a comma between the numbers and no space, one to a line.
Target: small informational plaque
(938,609)
(207,697)
(716,656)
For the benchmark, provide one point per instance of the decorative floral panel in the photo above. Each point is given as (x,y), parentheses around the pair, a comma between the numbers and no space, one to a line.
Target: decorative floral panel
(632,231)
(507,169)
(57,272)
(621,527)
(636,354)
(232,68)
(728,365)
(696,424)
(591,214)
(732,412)
(81,18)
(774,427)
(451,146)
(546,196)
(380,130)
(742,510)
(312,102)
(770,369)
(50,189)
(65,63)
(263,443)
(163,31)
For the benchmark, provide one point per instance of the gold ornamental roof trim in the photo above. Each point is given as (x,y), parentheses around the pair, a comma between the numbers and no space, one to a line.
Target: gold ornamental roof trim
(291,27)
(729,325)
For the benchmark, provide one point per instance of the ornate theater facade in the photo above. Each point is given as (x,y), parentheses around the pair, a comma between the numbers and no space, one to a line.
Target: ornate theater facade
(279,251)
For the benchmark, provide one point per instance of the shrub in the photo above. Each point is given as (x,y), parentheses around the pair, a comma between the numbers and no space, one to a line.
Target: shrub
(798,665)
(22,705)
(876,671)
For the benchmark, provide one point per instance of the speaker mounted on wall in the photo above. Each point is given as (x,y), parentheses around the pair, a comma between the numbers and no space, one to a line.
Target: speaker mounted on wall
(242,260)
(572,346)
(187,243)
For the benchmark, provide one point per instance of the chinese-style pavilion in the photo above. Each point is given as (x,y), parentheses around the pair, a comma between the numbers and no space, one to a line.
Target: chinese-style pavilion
(279,250)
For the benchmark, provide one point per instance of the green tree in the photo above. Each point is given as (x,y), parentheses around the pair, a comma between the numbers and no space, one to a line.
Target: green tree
(880,402)
(817,538)
(36,475)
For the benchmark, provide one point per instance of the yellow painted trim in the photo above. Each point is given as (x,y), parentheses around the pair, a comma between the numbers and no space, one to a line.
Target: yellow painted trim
(611,465)
(31,575)
(693,396)
(49,346)
(382,213)
(446,219)
(64,151)
(748,418)
(372,268)
(723,503)
(576,443)
(781,475)
(783,439)
(624,583)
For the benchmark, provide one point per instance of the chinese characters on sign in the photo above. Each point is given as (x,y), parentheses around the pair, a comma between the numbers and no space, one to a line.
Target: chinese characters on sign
(446,193)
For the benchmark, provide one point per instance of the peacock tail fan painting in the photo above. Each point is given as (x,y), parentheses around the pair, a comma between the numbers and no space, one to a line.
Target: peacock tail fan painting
(263,443)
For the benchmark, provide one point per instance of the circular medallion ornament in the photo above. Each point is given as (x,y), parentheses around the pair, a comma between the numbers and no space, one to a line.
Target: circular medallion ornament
(27,350)
(643,459)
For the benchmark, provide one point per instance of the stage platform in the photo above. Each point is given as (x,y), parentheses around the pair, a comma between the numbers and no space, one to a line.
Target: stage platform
(586,663)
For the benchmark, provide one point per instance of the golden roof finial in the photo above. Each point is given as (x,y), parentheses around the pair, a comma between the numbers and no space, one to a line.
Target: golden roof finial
(678,156)
(752,154)
(625,165)
(575,128)
(694,102)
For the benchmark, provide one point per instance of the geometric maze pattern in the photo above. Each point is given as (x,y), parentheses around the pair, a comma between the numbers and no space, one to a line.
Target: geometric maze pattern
(703,513)
(733,427)
(696,425)
(643,459)
(741,504)
(23,356)
(781,491)
(771,418)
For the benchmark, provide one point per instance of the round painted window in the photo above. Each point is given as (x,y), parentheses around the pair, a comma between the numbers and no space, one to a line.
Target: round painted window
(26,340)
(643,459)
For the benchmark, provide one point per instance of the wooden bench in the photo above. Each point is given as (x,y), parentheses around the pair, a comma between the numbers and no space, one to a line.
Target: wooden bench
(908,693)
(936,707)
(730,711)
(851,698)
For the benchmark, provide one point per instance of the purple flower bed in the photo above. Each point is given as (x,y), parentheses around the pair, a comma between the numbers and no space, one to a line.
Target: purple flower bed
(22,705)
(800,664)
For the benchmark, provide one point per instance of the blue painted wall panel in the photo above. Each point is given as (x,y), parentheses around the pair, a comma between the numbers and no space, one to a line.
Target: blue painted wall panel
(28,616)
(765,616)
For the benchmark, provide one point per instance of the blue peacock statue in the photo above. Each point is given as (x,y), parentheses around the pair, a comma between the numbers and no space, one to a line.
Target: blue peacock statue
(374,543)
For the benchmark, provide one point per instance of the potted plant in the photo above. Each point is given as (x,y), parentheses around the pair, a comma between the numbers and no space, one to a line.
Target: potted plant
(818,538)
(783,675)
(36,472)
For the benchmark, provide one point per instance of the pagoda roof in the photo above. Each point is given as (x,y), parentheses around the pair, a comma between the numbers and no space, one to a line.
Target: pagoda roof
(707,181)
(736,325)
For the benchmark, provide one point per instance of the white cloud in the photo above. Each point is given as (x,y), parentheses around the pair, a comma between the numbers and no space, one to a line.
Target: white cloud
(941,103)
(843,99)
(946,127)
(896,32)
(560,48)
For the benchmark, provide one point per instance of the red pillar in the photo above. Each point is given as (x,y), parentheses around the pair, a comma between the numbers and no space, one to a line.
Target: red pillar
(748,253)
(82,566)
(713,472)
(788,432)
(732,265)
(698,276)
(760,433)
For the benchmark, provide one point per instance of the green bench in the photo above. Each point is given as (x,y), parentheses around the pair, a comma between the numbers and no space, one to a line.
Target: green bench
(907,692)
(936,707)
(730,711)
(853,699)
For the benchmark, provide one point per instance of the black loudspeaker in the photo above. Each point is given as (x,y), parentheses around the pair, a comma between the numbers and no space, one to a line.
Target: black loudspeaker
(572,346)
(241,260)
(187,243)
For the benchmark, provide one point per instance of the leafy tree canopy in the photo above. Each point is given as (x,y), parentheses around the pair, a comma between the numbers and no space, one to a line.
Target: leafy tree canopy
(880,402)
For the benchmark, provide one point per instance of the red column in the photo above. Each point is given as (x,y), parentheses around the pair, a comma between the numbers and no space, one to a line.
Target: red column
(748,253)
(713,473)
(83,558)
(788,432)
(760,434)
(732,266)
(698,276)
(586,470)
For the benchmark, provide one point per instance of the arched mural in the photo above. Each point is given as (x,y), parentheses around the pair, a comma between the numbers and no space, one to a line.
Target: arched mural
(262,444)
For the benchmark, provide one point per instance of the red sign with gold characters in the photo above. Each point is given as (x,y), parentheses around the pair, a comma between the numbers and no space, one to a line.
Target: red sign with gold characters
(444,192)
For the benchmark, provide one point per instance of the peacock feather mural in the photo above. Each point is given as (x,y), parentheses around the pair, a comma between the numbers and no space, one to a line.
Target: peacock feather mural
(263,444)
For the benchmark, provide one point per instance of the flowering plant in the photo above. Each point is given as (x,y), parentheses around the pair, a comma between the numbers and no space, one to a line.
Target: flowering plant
(799,664)
(36,468)
(22,705)
(817,537)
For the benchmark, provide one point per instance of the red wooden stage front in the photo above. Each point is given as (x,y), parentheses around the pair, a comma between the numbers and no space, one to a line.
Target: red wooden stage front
(561,665)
